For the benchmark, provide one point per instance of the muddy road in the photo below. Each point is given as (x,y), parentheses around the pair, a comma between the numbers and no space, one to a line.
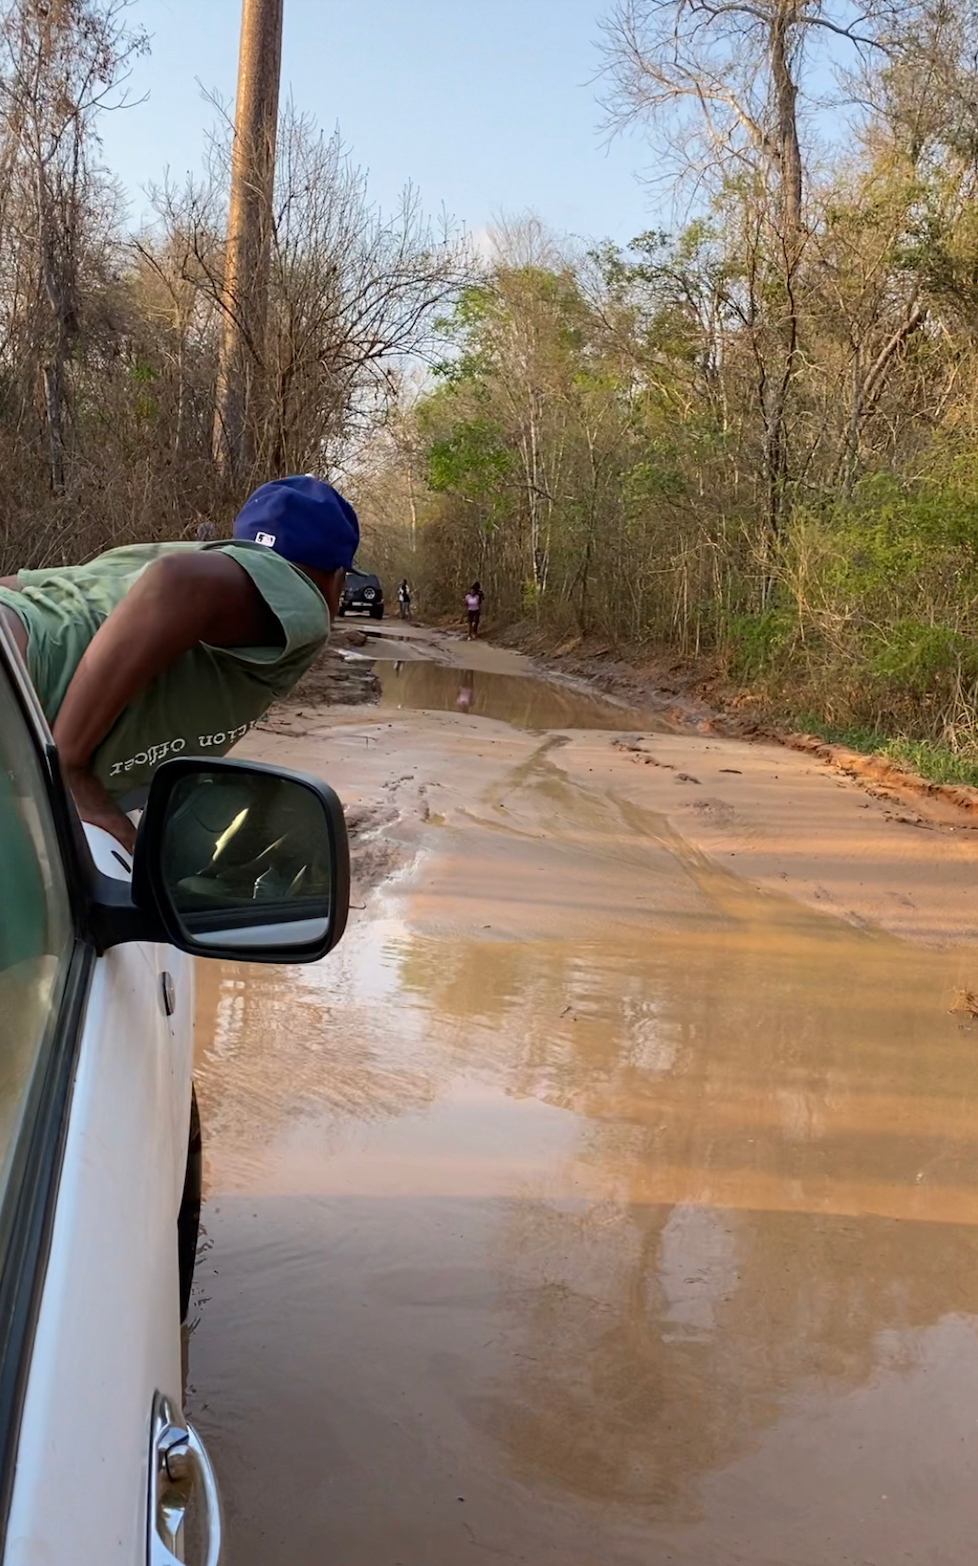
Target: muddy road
(611,1196)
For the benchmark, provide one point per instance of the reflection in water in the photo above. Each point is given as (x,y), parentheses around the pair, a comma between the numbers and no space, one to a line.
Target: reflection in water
(519,699)
(632,1216)
(655,1347)
(804,1082)
(298,1050)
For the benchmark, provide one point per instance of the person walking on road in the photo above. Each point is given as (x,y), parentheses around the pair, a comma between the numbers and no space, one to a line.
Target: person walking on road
(157,650)
(404,598)
(473,609)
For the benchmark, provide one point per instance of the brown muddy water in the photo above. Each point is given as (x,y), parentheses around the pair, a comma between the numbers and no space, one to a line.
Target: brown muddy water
(522,700)
(588,1207)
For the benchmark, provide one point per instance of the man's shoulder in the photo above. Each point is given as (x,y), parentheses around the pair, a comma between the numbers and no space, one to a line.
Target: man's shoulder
(289,593)
(266,564)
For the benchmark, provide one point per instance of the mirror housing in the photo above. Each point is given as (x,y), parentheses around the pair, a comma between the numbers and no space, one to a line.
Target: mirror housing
(243,861)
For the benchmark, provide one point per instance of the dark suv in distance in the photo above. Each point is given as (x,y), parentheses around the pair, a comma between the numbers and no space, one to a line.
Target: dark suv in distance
(363,593)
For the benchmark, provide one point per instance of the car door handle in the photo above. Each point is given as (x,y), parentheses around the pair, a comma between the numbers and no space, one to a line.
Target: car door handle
(179,1468)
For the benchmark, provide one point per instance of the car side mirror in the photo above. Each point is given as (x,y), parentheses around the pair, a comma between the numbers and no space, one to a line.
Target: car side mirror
(243,861)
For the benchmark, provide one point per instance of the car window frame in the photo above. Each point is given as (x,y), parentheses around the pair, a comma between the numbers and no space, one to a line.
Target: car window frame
(38,1155)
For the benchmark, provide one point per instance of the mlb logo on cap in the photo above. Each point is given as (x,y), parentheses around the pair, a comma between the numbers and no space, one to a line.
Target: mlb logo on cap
(304,520)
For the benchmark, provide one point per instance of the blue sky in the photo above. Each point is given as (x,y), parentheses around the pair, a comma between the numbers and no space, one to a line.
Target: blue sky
(488,106)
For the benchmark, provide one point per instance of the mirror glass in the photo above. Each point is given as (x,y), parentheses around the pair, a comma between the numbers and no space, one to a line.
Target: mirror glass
(246,860)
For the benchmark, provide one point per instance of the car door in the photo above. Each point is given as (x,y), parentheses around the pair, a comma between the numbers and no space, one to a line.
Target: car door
(94,1108)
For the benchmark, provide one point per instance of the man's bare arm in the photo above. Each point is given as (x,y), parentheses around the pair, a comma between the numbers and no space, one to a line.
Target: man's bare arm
(178,601)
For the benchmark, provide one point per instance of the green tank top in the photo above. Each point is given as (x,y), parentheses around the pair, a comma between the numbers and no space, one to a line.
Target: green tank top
(207,699)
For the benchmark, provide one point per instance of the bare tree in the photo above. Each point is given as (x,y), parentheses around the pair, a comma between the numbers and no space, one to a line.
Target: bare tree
(61,64)
(352,295)
(719,85)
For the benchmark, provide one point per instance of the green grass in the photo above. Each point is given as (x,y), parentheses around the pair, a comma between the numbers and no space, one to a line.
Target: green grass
(931,759)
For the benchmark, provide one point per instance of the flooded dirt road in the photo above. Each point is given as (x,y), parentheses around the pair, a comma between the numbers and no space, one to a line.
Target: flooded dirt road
(611,1195)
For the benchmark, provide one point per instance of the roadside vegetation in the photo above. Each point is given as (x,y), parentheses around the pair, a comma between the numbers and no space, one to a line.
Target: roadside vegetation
(754,436)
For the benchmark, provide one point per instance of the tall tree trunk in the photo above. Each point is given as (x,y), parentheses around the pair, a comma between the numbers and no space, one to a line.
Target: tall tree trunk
(790,240)
(786,105)
(53,291)
(249,235)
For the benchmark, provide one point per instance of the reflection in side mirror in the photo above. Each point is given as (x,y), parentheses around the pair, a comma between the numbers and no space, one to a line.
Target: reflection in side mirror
(244,860)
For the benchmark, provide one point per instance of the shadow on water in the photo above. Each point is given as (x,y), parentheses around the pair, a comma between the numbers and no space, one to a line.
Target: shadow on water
(519,699)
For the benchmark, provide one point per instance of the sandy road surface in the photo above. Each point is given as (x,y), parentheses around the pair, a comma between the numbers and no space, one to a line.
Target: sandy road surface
(611,1195)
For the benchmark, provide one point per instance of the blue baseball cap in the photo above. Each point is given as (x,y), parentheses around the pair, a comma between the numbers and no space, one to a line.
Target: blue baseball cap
(302,519)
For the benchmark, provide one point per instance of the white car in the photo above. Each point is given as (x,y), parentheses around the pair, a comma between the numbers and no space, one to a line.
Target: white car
(100,1189)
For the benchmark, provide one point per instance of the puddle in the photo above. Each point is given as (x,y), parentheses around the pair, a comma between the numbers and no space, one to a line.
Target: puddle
(522,700)
(590,1206)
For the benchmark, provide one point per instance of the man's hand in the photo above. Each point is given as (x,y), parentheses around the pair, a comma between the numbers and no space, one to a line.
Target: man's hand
(178,601)
(94,806)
